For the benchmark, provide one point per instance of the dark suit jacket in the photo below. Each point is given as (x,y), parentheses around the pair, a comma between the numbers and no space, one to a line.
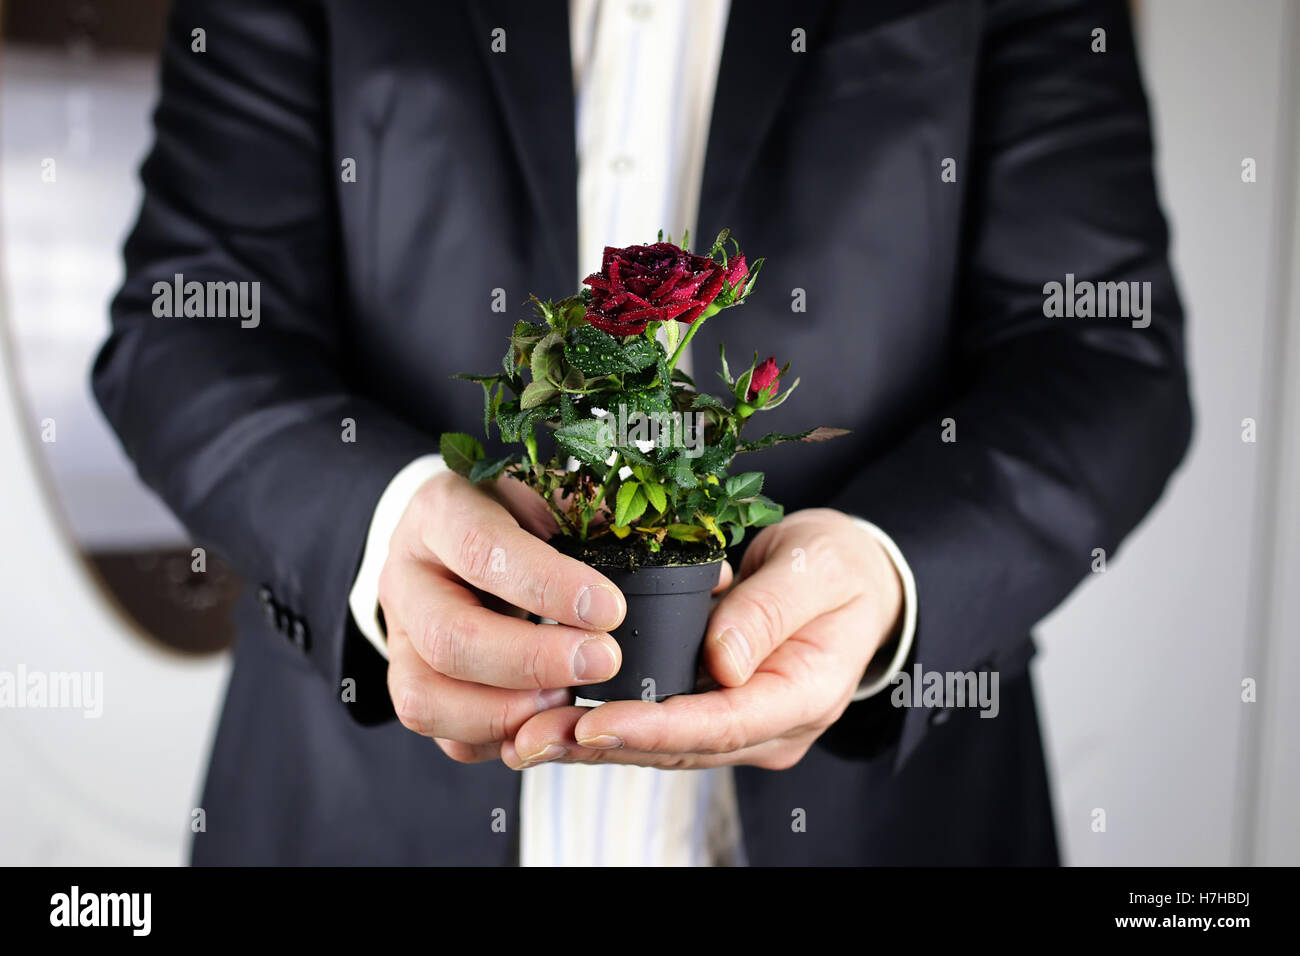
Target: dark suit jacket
(924,303)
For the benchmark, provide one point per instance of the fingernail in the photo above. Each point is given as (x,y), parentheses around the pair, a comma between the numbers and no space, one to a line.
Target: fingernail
(737,648)
(556,697)
(602,742)
(550,752)
(594,661)
(598,606)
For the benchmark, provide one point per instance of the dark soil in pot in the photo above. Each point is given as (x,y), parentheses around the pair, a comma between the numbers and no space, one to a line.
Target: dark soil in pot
(668,599)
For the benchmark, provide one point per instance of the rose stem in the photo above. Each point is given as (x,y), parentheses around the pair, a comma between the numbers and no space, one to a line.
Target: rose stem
(600,492)
(686,339)
(560,518)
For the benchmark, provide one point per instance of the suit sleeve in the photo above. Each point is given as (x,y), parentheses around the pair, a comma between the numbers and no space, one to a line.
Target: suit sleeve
(241,428)
(1066,429)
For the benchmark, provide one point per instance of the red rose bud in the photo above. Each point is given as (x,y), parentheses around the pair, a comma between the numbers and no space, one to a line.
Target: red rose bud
(736,272)
(638,285)
(763,376)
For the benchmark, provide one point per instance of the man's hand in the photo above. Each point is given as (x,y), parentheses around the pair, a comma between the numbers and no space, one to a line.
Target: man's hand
(464,668)
(816,597)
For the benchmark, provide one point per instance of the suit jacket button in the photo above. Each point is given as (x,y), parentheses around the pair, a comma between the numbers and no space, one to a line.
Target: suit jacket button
(264,596)
(300,636)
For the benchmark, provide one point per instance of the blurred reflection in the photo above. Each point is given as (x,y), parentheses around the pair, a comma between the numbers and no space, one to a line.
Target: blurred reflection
(77,86)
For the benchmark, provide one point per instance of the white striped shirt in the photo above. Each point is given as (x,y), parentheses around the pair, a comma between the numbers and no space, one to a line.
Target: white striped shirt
(644,78)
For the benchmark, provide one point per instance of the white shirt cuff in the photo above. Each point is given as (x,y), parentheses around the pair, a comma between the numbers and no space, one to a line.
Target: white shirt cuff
(878,675)
(363,600)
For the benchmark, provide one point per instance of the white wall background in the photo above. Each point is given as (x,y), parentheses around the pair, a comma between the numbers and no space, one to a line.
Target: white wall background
(73,790)
(1140,672)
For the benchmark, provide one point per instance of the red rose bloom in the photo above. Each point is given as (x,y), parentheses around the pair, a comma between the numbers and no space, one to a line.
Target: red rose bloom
(763,376)
(654,283)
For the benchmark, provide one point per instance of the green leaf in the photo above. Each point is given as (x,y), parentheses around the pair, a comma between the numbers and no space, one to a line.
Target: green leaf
(704,400)
(630,503)
(537,393)
(544,310)
(687,532)
(527,333)
(594,352)
(680,376)
(819,434)
(672,335)
(568,415)
(712,527)
(522,339)
(729,513)
(634,456)
(460,452)
(491,396)
(641,353)
(649,401)
(507,418)
(589,440)
(467,377)
(485,469)
(778,399)
(699,500)
(570,312)
(656,495)
(665,374)
(545,363)
(741,388)
(736,533)
(756,265)
(745,485)
(515,424)
(716,458)
(679,472)
(759,514)
(574,381)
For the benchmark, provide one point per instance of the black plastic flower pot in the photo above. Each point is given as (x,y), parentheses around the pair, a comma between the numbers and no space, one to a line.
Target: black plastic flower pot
(663,632)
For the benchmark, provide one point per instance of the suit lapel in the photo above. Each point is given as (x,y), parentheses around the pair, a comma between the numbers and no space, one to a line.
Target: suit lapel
(533,79)
(758,65)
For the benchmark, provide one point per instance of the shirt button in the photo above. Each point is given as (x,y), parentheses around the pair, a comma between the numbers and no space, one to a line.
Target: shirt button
(622,165)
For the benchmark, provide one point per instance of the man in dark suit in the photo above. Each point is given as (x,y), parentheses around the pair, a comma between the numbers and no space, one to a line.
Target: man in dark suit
(923,171)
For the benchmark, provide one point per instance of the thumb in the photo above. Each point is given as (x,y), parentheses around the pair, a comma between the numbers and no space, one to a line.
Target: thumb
(756,616)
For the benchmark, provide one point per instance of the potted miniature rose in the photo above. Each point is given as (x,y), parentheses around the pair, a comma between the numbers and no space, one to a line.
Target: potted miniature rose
(640,484)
